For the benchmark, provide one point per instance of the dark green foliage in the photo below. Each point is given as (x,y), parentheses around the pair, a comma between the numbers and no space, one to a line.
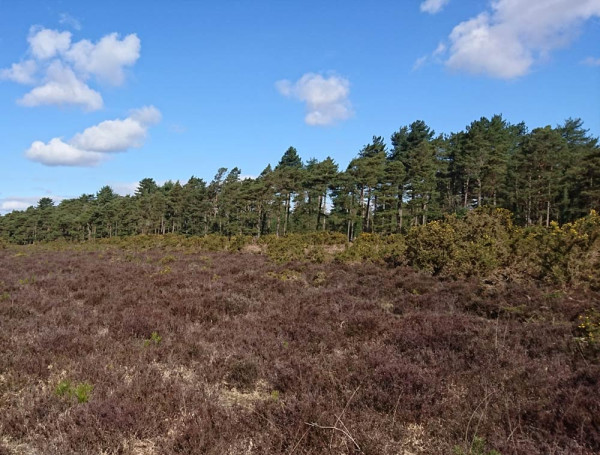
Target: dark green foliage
(548,174)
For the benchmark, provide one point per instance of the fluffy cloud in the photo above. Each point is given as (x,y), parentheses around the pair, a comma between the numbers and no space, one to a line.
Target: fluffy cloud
(93,145)
(433,6)
(118,135)
(59,153)
(67,67)
(11,203)
(506,41)
(107,58)
(21,73)
(63,87)
(16,203)
(45,43)
(326,98)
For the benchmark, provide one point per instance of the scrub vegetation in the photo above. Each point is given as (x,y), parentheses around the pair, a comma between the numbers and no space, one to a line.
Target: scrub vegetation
(355,351)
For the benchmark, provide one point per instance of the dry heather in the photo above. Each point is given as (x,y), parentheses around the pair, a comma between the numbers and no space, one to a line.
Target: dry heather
(113,352)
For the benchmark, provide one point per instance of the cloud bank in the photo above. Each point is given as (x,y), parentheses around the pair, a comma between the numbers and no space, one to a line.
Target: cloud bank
(506,41)
(326,98)
(61,69)
(96,143)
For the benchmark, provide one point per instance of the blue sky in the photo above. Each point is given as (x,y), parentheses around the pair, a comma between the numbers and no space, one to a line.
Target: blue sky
(97,93)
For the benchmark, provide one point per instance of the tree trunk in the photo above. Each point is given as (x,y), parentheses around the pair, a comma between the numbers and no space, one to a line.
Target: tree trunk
(324,208)
(368,212)
(319,212)
(287,212)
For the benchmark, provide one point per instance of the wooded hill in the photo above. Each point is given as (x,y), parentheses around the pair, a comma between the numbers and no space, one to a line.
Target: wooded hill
(543,175)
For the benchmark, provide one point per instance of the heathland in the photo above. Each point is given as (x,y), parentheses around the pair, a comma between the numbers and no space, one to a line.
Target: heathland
(440,296)
(446,340)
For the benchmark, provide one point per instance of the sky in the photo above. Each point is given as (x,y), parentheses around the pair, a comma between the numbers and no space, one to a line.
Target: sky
(111,92)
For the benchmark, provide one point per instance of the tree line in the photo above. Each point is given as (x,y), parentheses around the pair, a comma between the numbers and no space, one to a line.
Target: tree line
(543,175)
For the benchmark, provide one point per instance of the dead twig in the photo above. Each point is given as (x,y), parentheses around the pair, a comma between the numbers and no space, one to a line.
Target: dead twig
(341,430)
(339,418)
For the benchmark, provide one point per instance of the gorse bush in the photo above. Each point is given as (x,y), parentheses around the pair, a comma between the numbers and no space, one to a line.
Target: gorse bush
(567,254)
(589,327)
(299,247)
(483,243)
(388,249)
(472,246)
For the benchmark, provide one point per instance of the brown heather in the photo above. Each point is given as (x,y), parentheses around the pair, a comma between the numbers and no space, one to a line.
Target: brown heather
(230,353)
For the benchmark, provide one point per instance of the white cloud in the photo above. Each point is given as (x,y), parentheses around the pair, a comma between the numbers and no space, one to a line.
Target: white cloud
(147,115)
(93,145)
(124,188)
(326,98)
(12,203)
(118,135)
(591,61)
(22,73)
(508,40)
(45,43)
(107,58)
(59,153)
(68,67)
(67,19)
(111,136)
(63,87)
(433,6)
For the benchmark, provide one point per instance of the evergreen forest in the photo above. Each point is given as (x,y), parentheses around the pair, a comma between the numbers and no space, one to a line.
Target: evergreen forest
(544,175)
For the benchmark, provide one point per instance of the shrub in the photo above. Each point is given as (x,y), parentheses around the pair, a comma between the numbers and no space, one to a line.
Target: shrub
(565,255)
(167,259)
(238,242)
(476,245)
(589,326)
(243,373)
(431,247)
(292,247)
(376,248)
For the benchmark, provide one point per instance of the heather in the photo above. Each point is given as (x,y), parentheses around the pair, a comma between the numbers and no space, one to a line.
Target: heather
(159,346)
